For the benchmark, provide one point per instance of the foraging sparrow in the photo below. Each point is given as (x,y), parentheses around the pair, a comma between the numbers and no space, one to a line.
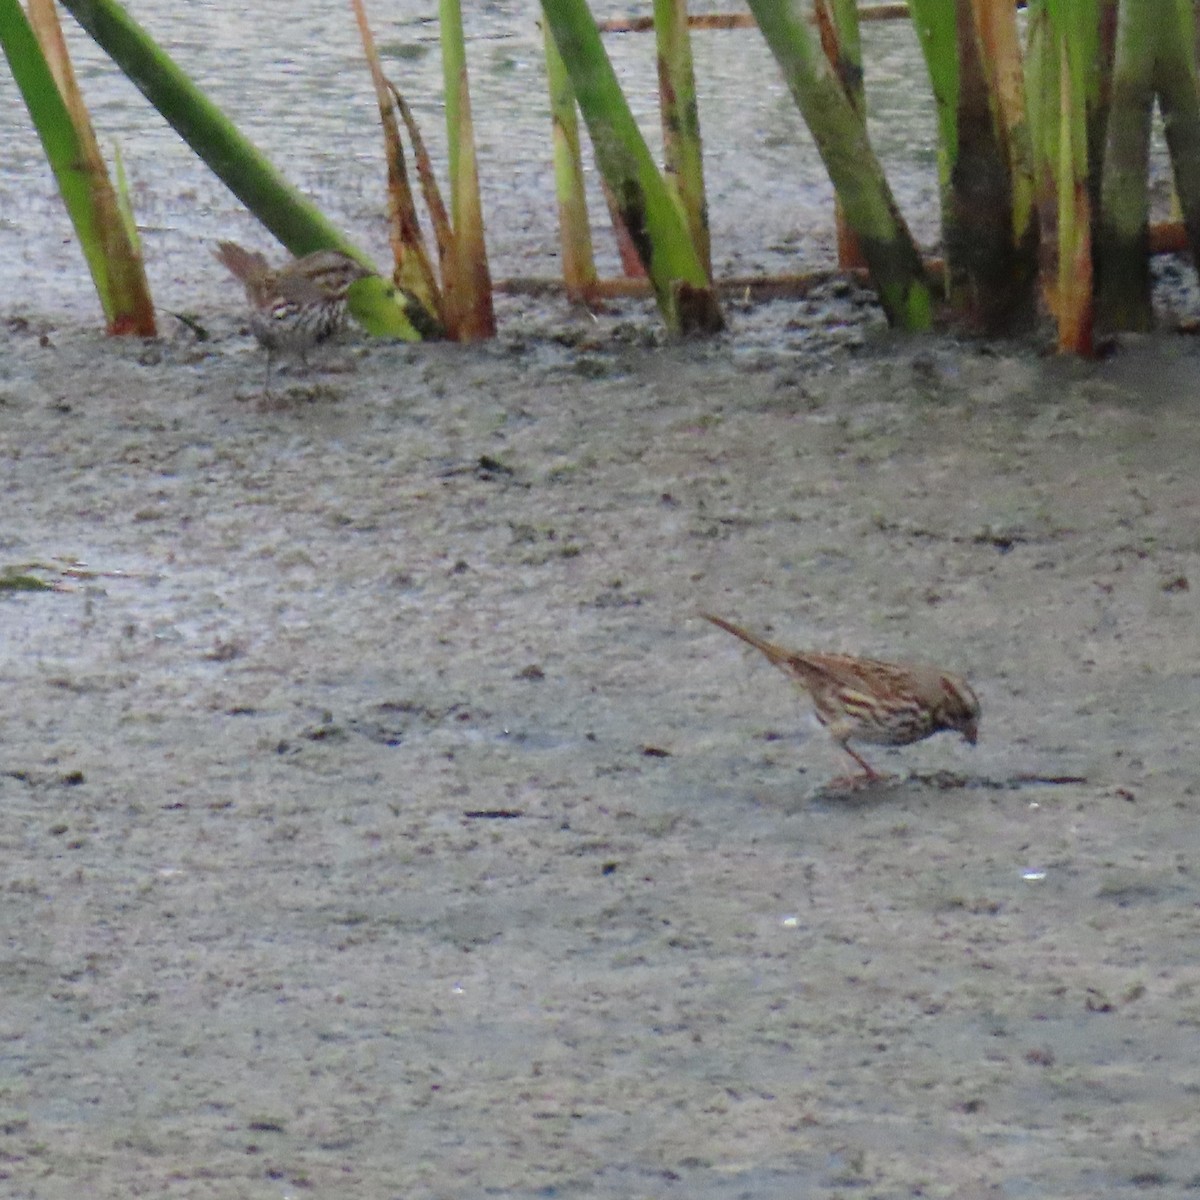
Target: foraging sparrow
(865,700)
(297,305)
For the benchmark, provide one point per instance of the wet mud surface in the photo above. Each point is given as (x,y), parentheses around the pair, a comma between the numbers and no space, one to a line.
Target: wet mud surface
(378,818)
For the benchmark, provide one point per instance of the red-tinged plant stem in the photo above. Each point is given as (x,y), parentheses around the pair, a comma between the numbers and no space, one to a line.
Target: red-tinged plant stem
(837,23)
(1075,283)
(466,279)
(414,271)
(1067,60)
(999,37)
(627,251)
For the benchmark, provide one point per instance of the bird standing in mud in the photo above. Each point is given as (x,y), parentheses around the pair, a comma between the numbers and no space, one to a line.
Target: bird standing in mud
(866,700)
(295,306)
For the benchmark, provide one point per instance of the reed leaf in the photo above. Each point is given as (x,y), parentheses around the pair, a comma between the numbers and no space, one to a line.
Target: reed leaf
(413,271)
(438,215)
(843,15)
(837,22)
(466,279)
(125,200)
(1123,239)
(1042,76)
(1069,48)
(999,36)
(43,73)
(627,251)
(575,232)
(682,147)
(936,25)
(1075,284)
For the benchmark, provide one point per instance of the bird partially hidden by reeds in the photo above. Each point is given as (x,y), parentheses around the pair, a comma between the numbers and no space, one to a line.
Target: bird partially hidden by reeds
(295,306)
(866,700)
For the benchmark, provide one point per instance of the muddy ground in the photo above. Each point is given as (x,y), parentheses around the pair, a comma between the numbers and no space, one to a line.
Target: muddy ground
(377,819)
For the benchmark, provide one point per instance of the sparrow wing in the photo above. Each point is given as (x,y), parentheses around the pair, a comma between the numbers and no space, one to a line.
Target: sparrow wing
(868,675)
(298,289)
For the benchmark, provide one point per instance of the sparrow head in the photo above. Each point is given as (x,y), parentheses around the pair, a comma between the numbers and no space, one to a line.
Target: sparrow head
(329,271)
(957,707)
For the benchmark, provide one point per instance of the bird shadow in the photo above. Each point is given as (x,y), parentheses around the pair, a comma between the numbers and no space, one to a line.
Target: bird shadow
(296,395)
(862,790)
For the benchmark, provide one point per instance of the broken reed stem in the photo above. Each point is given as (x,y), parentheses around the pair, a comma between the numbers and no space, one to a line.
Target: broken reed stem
(1166,237)
(870,12)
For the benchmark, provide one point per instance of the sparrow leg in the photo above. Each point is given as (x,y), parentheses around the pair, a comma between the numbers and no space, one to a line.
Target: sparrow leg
(871,773)
(851,783)
(842,730)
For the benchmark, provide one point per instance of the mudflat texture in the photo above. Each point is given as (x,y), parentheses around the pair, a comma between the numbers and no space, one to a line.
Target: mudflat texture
(378,819)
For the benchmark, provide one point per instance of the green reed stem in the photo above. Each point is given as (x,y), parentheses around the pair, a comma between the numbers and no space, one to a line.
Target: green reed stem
(574,227)
(69,142)
(841,138)
(681,121)
(1123,241)
(654,221)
